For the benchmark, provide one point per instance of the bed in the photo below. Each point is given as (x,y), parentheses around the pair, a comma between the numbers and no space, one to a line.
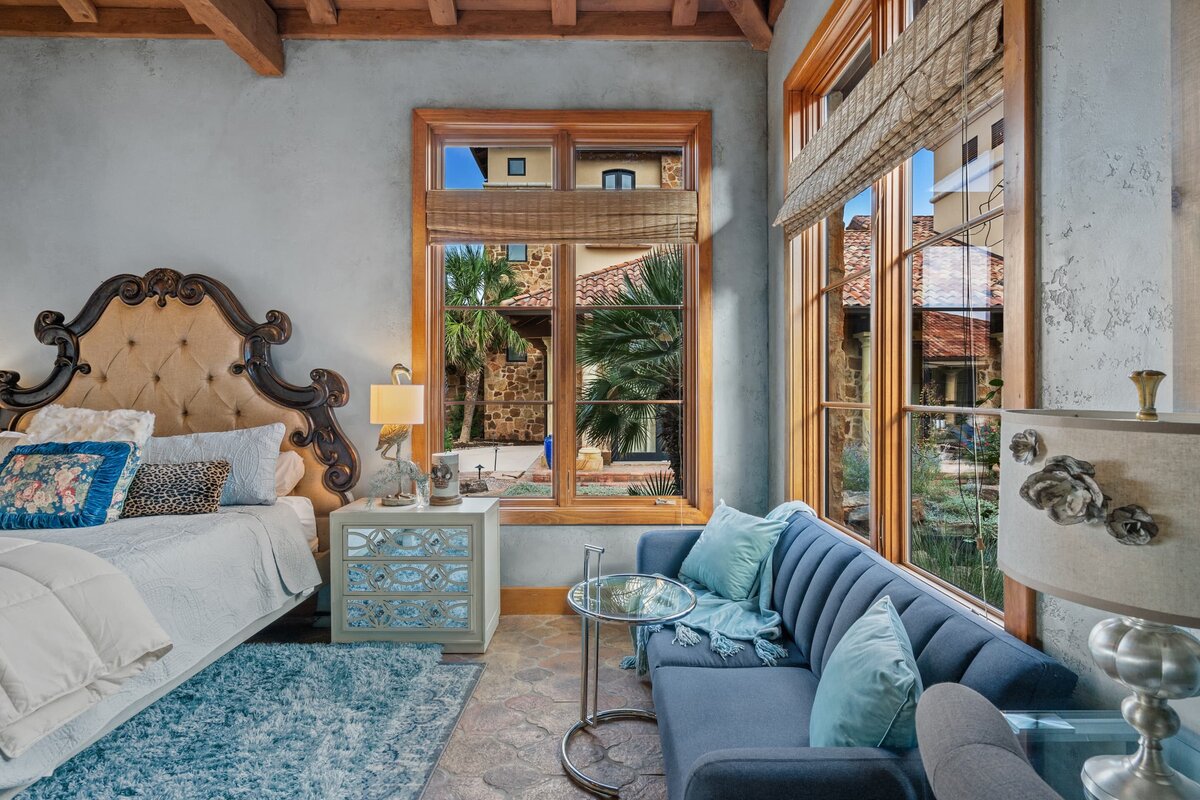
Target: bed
(183,347)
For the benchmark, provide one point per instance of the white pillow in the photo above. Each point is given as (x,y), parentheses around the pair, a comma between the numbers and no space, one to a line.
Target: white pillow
(289,469)
(251,452)
(9,440)
(58,424)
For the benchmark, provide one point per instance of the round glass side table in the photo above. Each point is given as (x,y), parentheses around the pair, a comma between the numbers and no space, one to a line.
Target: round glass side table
(629,599)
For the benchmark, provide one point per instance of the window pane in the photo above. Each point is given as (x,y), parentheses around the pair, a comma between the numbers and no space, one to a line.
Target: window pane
(959,177)
(489,274)
(628,168)
(848,468)
(957,325)
(954,479)
(629,449)
(854,72)
(849,244)
(848,341)
(487,166)
(504,448)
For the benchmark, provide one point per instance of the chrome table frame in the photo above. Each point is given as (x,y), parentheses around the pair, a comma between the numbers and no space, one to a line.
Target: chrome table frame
(589,668)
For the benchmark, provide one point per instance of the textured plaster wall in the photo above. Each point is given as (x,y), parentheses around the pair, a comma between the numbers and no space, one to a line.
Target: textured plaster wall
(793,30)
(1105,242)
(118,156)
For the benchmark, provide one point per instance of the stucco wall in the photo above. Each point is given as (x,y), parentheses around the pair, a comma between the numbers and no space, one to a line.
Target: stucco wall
(119,156)
(1105,283)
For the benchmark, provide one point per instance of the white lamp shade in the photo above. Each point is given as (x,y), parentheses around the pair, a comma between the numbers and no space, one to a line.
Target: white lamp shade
(397,404)
(1155,465)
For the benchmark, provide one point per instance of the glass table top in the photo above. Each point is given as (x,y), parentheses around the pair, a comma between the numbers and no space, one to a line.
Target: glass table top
(1058,742)
(632,599)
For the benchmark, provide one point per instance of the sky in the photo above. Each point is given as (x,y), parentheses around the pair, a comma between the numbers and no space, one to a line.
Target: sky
(922,181)
(463,173)
(461,170)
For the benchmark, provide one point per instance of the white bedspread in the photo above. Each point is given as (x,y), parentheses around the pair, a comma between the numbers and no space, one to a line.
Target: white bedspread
(205,578)
(72,630)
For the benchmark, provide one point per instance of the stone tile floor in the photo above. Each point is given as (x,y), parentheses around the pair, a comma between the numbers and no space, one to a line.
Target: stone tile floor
(505,746)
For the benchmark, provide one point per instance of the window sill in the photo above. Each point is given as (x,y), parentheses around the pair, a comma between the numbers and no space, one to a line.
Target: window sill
(603,515)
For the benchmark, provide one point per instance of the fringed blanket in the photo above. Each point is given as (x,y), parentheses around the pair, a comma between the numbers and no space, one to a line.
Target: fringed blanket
(729,624)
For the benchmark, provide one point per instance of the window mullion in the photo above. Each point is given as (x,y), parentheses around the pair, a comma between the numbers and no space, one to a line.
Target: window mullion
(564,338)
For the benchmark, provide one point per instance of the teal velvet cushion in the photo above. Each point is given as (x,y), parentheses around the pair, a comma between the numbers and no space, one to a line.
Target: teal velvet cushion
(57,485)
(729,551)
(868,692)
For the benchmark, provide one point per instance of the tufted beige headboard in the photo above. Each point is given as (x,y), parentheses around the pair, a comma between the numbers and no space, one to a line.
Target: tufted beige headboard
(184,348)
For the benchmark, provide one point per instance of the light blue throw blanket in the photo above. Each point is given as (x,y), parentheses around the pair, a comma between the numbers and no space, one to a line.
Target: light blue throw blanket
(729,624)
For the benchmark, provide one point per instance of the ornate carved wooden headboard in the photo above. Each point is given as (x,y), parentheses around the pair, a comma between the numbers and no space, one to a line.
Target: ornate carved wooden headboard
(183,347)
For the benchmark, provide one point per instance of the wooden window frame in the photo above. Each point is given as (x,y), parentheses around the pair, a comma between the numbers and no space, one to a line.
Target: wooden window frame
(569,131)
(847,26)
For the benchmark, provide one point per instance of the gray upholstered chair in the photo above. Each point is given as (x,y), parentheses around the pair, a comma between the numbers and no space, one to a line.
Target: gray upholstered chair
(968,750)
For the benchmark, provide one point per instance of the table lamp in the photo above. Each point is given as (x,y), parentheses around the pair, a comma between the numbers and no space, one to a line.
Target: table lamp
(397,407)
(1103,509)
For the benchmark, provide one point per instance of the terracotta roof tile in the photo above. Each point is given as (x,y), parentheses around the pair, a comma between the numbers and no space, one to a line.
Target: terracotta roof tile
(953,336)
(937,270)
(590,288)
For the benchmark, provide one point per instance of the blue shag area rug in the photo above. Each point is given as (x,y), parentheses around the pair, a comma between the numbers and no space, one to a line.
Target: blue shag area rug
(281,722)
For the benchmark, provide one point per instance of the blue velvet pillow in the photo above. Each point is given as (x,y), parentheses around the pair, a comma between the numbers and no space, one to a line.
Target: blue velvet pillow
(730,550)
(868,692)
(57,485)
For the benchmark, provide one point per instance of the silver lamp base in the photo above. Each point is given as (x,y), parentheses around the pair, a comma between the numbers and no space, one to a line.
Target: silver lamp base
(1159,663)
(1122,778)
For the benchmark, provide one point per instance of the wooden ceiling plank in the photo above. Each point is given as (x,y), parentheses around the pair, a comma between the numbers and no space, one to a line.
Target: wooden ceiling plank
(321,12)
(249,27)
(774,9)
(444,12)
(684,12)
(750,19)
(80,10)
(563,12)
(175,23)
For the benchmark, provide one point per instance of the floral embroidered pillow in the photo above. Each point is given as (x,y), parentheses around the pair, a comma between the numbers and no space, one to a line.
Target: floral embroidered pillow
(62,485)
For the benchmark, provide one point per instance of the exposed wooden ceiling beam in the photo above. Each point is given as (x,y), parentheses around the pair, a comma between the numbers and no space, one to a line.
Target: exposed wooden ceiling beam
(321,12)
(444,12)
(172,23)
(562,12)
(683,12)
(80,10)
(750,19)
(774,9)
(249,27)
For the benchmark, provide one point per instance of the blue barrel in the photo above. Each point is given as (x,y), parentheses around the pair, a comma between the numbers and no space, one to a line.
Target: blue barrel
(548,449)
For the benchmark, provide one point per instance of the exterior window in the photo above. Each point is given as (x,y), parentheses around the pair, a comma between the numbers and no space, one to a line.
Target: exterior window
(516,167)
(970,150)
(573,369)
(619,179)
(898,340)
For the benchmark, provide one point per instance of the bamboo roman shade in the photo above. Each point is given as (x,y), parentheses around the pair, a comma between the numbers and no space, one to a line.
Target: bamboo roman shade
(950,56)
(585,216)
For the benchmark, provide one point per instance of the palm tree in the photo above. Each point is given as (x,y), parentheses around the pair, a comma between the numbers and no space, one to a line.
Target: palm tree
(474,278)
(636,354)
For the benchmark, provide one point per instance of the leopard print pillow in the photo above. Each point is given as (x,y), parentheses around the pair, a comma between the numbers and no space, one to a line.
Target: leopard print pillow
(175,489)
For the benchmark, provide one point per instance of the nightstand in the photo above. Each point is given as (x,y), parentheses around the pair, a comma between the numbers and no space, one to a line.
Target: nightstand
(404,574)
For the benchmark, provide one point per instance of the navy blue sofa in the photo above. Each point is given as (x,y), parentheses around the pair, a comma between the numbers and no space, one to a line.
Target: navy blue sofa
(732,729)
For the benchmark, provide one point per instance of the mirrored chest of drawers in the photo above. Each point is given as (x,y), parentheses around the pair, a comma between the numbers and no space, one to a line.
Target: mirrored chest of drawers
(417,575)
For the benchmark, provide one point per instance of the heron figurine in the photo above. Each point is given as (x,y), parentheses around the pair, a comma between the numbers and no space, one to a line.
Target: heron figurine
(392,436)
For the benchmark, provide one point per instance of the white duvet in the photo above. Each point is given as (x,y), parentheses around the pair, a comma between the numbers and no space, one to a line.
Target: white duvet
(72,629)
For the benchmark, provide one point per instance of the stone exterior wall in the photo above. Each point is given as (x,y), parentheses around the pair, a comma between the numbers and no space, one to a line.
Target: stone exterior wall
(533,275)
(515,381)
(672,171)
